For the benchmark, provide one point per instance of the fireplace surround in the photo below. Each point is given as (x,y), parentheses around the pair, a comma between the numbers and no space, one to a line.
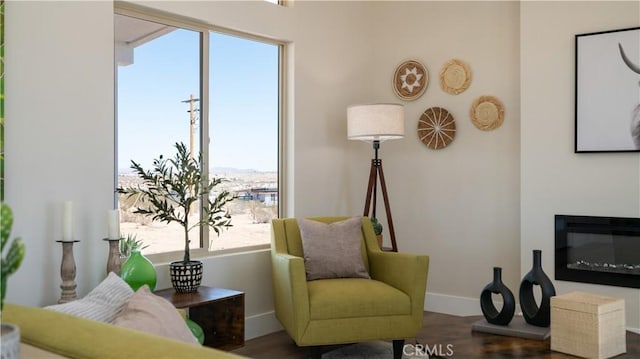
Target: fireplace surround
(599,250)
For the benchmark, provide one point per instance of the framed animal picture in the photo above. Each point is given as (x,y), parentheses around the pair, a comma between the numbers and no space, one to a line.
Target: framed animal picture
(607,91)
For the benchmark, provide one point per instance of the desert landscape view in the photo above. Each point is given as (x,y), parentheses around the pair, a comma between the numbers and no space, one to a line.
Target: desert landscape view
(255,204)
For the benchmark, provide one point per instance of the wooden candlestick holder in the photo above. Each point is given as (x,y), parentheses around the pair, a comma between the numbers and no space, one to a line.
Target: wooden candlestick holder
(113,261)
(68,273)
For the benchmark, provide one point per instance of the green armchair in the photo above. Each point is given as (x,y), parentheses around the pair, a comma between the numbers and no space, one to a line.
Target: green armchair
(389,306)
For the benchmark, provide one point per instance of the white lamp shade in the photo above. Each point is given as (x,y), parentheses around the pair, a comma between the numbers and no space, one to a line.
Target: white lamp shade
(375,122)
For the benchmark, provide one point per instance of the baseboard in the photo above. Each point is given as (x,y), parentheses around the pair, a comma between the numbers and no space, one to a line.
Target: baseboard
(451,304)
(261,324)
(464,306)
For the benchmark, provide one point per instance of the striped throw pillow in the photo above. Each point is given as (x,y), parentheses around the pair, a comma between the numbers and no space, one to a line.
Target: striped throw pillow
(104,303)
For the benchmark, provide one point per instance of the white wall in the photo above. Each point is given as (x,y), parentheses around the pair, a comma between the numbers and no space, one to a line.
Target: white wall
(460,204)
(60,137)
(554,179)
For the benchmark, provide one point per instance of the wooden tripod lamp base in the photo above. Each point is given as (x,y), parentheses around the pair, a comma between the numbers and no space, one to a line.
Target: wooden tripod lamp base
(376,170)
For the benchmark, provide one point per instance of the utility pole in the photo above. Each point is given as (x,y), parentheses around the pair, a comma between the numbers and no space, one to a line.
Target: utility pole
(192,121)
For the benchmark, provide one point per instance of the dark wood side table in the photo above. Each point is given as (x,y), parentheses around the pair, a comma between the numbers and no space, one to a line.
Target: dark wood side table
(220,313)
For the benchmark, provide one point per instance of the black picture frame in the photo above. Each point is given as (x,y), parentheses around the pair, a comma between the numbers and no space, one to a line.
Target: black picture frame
(607,91)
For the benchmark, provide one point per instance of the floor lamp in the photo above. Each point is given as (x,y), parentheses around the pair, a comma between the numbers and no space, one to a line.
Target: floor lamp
(376,123)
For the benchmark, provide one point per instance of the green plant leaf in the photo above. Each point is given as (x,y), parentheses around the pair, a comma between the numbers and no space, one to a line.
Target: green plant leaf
(6,222)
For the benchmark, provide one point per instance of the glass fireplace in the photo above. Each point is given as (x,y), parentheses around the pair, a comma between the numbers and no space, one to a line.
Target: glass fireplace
(600,250)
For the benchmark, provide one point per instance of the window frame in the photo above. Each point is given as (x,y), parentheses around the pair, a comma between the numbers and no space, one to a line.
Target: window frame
(153,15)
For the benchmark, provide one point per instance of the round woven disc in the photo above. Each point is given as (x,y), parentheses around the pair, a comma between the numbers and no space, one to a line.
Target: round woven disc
(436,128)
(455,77)
(487,113)
(410,80)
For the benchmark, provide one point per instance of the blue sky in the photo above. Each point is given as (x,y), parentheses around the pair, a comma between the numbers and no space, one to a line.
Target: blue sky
(243,100)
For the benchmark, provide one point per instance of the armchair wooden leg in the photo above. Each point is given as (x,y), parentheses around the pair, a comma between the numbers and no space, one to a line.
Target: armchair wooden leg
(398,345)
(315,352)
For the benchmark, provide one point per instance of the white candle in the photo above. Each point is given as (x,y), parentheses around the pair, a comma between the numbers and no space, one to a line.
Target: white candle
(67,222)
(113,218)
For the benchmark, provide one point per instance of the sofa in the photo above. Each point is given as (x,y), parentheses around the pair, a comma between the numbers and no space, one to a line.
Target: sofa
(76,337)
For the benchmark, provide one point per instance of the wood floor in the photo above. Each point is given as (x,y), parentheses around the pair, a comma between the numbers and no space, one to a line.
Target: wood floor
(438,329)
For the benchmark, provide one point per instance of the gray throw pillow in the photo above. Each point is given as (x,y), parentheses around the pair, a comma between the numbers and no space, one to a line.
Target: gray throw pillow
(332,250)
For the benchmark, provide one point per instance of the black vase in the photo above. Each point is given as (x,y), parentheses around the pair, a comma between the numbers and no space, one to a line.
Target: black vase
(486,302)
(534,315)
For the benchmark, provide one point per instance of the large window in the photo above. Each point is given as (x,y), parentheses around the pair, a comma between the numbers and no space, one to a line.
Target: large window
(214,92)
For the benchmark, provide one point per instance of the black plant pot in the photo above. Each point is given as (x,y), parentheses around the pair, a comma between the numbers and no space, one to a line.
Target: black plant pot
(186,277)
(534,315)
(486,303)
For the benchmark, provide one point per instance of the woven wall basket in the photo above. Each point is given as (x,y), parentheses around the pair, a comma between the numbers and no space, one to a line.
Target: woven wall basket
(455,77)
(487,113)
(410,80)
(436,128)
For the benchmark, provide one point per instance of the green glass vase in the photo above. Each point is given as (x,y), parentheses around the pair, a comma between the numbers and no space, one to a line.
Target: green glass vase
(196,329)
(138,271)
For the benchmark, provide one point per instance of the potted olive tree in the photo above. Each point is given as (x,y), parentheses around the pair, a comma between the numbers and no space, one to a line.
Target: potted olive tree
(10,263)
(169,193)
